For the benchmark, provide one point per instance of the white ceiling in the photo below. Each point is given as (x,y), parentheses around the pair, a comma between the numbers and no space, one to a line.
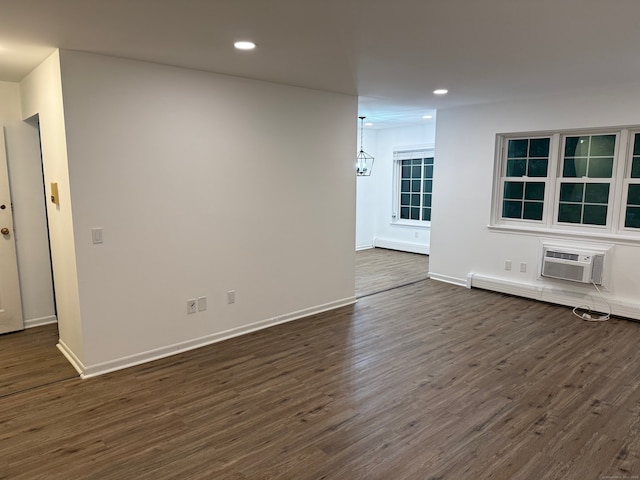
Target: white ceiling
(392,53)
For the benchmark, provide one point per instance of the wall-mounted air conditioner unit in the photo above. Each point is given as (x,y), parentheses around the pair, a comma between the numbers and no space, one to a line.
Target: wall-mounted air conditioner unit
(574,265)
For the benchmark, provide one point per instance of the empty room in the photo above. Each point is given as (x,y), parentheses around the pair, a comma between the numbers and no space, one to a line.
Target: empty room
(319,240)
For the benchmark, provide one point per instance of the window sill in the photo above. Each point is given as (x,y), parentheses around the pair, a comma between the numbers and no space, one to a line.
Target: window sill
(568,234)
(410,223)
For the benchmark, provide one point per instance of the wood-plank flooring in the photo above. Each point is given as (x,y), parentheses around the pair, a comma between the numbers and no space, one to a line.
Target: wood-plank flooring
(426,381)
(29,359)
(378,269)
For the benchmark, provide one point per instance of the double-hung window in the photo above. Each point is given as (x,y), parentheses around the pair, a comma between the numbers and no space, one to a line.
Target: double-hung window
(525,175)
(414,186)
(632,186)
(586,179)
(573,181)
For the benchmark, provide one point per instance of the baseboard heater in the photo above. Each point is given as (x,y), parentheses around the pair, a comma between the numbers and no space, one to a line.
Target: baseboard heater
(574,265)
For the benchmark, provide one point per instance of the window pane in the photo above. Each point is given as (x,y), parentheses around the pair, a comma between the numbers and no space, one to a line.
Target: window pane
(532,211)
(635,167)
(405,198)
(415,200)
(576,147)
(511,209)
(595,214)
(600,167)
(538,168)
(575,167)
(426,200)
(636,144)
(428,185)
(415,185)
(569,213)
(571,192)
(534,191)
(404,212)
(516,168)
(426,214)
(539,147)
(406,186)
(415,214)
(634,195)
(416,171)
(602,145)
(517,148)
(428,171)
(596,193)
(406,171)
(513,190)
(428,161)
(632,219)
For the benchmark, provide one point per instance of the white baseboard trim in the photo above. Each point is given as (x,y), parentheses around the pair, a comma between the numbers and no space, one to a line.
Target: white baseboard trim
(403,246)
(156,354)
(37,322)
(71,357)
(461,282)
(562,295)
(364,247)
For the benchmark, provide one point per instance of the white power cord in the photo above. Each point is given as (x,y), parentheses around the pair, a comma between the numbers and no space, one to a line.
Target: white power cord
(588,315)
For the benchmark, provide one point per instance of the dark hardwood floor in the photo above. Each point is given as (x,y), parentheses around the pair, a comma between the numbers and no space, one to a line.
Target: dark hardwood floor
(426,381)
(378,269)
(29,359)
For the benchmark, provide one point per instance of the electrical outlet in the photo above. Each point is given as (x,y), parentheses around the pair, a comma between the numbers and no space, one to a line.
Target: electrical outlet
(231,297)
(507,264)
(192,305)
(523,267)
(202,304)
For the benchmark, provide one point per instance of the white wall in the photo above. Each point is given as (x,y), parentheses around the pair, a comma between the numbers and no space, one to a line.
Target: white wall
(202,184)
(375,193)
(41,94)
(462,244)
(366,200)
(27,191)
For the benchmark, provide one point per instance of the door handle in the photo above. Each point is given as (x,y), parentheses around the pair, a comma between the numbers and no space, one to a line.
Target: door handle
(4,231)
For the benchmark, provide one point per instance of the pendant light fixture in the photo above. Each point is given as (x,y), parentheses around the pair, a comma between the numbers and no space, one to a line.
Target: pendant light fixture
(364,161)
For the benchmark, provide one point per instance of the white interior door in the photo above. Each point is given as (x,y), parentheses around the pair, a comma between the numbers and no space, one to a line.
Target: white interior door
(10,305)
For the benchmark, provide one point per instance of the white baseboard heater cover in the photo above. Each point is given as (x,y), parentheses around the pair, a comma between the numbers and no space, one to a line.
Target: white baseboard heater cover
(574,265)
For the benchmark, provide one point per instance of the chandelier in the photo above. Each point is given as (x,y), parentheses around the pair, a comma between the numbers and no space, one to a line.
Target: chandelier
(364,161)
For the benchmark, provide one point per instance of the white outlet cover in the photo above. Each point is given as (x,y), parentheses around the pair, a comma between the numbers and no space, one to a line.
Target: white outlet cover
(202,304)
(192,305)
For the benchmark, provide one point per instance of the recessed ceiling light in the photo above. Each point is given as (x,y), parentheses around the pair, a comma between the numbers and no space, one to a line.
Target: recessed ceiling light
(427,117)
(441,91)
(368,124)
(244,45)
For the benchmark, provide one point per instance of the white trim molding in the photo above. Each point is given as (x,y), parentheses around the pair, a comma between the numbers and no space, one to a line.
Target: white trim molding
(89,371)
(461,282)
(38,322)
(403,246)
(553,294)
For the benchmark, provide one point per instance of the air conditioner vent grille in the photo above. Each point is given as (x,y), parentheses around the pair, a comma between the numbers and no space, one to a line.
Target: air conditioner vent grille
(562,255)
(577,265)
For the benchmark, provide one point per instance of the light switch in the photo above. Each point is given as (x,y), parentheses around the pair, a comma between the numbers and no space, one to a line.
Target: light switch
(55,198)
(96,235)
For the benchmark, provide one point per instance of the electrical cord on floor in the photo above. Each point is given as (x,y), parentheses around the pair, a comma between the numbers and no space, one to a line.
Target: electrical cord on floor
(588,315)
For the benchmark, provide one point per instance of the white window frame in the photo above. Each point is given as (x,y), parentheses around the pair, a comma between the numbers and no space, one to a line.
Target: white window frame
(618,191)
(627,180)
(500,170)
(407,153)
